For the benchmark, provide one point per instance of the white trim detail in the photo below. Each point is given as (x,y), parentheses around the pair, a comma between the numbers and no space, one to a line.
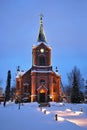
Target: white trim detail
(42,66)
(42,87)
(41,71)
(33,95)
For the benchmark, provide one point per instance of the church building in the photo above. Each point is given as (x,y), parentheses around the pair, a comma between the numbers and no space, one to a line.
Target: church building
(40,83)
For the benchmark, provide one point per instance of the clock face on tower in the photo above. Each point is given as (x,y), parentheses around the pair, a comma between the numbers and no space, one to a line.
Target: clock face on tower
(42,50)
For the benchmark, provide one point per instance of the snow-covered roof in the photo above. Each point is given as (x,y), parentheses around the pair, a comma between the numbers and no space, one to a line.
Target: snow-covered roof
(40,43)
(41,71)
(20,73)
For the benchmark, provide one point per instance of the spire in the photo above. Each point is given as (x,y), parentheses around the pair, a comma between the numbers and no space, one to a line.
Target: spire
(41,35)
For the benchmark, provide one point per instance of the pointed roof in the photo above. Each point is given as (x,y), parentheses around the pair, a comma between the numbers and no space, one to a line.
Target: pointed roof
(41,35)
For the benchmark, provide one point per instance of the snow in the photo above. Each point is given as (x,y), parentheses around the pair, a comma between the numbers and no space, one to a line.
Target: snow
(31,117)
(20,73)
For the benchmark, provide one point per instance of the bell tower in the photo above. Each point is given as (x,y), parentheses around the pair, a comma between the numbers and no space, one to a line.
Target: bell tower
(41,54)
(45,82)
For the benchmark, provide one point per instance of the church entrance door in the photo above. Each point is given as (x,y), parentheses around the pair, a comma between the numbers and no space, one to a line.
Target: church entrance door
(42,97)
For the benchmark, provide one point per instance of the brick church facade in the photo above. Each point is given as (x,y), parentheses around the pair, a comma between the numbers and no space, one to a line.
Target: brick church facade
(40,83)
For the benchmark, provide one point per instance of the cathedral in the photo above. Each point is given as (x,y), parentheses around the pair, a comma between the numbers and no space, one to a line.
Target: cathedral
(40,83)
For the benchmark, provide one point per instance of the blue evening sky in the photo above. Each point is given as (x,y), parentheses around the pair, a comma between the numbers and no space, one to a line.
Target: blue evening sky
(65,25)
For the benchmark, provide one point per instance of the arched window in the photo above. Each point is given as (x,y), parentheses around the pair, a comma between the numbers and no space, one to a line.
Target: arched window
(41,61)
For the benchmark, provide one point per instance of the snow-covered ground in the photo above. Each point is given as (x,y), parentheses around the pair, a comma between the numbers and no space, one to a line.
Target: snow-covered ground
(31,117)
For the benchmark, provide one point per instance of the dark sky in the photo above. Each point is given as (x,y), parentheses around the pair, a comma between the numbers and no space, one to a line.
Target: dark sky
(65,25)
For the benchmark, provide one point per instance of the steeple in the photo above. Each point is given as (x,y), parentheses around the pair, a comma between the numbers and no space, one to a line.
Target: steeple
(41,35)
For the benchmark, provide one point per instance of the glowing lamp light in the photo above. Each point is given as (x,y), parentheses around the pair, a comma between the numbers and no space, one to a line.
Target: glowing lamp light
(60,119)
(57,118)
(43,109)
(50,97)
(78,112)
(47,112)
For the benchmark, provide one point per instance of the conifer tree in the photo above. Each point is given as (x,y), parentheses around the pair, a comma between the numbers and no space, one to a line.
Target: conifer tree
(8,85)
(78,75)
(75,94)
(74,89)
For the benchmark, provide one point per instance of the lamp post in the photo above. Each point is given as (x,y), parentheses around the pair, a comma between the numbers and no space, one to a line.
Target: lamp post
(56,117)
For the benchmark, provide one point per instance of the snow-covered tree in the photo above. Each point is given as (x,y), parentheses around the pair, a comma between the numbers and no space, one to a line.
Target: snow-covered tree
(75,85)
(78,75)
(76,94)
(75,91)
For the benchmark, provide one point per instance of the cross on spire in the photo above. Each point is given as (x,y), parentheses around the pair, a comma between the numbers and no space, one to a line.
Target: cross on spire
(41,15)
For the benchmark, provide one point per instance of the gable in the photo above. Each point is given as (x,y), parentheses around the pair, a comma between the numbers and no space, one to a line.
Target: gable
(42,45)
